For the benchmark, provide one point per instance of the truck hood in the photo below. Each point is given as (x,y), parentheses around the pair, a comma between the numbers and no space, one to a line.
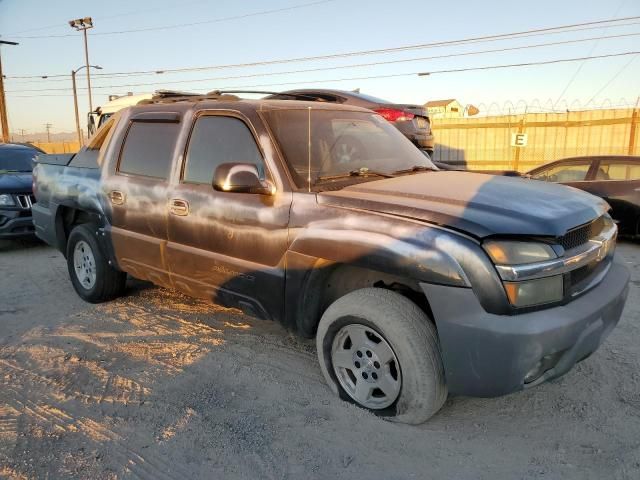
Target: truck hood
(15,182)
(477,204)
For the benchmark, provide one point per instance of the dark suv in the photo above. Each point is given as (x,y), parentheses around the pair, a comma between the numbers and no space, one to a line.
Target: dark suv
(16,198)
(412,120)
(415,282)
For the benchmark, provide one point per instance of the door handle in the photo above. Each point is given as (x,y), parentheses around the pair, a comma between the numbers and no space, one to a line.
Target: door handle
(179,207)
(117,197)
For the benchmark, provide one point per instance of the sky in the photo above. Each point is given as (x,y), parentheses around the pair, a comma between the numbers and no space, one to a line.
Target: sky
(222,33)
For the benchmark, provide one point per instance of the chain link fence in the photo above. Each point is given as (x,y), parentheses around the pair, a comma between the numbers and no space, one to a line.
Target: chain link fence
(524,141)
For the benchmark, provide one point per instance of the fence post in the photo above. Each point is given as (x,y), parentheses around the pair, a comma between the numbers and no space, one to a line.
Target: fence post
(516,156)
(632,134)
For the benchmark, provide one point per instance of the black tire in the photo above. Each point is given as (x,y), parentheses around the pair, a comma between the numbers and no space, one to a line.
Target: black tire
(411,336)
(109,283)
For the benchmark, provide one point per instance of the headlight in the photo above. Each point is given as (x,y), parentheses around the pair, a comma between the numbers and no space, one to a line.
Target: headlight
(512,252)
(6,200)
(535,292)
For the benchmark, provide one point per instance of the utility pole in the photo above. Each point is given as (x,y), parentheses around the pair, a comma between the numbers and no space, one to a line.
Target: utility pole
(48,127)
(4,121)
(83,24)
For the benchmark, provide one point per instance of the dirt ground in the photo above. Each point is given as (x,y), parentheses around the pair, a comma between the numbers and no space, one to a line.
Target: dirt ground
(159,386)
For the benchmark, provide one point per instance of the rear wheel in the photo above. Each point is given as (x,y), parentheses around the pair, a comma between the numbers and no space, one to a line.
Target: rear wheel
(91,275)
(379,350)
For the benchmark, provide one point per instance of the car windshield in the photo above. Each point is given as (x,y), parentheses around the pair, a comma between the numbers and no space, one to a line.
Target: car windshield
(318,144)
(17,159)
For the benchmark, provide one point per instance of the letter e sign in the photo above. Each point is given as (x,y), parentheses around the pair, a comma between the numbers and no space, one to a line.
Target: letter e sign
(519,139)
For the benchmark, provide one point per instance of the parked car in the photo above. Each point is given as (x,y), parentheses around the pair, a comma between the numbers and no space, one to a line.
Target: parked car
(415,282)
(616,178)
(16,197)
(412,120)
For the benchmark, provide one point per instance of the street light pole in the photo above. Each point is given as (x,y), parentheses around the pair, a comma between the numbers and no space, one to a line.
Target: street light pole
(4,121)
(75,99)
(86,63)
(84,24)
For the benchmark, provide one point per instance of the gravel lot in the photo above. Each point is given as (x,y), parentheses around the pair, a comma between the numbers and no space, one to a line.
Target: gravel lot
(157,386)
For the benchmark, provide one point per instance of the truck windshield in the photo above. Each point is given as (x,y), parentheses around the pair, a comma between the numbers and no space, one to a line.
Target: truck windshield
(17,159)
(327,143)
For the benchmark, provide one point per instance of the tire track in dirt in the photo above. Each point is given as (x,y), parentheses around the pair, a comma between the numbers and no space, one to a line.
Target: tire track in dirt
(149,467)
(8,424)
(116,389)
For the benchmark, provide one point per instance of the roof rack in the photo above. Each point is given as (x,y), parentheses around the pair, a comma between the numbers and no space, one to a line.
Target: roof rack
(174,96)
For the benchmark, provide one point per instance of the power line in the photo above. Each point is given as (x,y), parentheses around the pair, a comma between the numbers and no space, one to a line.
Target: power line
(446,43)
(117,15)
(433,72)
(191,24)
(591,52)
(319,69)
(612,79)
(370,64)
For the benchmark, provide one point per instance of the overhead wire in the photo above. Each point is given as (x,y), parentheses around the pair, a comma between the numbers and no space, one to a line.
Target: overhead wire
(446,43)
(370,64)
(319,69)
(433,72)
(183,25)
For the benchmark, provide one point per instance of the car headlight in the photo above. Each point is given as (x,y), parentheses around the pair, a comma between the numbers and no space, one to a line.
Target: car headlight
(535,292)
(513,252)
(6,200)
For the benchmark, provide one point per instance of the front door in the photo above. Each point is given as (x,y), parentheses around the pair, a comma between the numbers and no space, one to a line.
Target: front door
(227,247)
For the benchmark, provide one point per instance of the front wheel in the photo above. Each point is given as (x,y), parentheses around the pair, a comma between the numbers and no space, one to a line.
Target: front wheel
(379,350)
(92,277)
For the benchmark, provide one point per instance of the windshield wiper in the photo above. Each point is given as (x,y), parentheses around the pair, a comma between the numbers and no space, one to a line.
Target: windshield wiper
(360,172)
(415,168)
(12,171)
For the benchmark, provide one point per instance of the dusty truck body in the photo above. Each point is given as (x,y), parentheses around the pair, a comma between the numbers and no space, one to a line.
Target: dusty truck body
(415,282)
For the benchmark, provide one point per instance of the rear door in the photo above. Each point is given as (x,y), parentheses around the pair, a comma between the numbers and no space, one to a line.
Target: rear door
(223,246)
(137,191)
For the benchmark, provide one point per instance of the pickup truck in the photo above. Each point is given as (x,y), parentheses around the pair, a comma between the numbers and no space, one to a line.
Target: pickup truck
(416,283)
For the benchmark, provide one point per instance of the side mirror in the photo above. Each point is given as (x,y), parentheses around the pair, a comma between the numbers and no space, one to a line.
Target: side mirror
(241,178)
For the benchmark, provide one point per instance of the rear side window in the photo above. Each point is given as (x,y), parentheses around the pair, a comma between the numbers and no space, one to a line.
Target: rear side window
(565,173)
(215,140)
(148,149)
(618,171)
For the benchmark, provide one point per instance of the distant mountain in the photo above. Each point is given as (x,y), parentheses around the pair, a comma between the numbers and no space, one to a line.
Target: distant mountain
(42,137)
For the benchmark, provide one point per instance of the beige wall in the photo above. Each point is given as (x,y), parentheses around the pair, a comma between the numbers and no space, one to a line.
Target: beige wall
(486,142)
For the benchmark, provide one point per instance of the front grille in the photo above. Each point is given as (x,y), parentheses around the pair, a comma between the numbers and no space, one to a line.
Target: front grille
(581,235)
(25,200)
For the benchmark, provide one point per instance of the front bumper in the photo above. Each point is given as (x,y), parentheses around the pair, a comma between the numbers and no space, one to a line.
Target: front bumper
(487,355)
(14,223)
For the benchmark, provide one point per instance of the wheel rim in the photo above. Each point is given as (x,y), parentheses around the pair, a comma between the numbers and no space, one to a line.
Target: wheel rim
(366,366)
(84,264)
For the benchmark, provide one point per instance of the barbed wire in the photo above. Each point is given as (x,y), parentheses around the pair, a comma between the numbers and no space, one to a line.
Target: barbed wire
(536,105)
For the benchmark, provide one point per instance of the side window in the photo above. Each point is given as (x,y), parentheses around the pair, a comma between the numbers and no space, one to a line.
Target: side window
(89,157)
(216,140)
(618,171)
(576,172)
(148,149)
